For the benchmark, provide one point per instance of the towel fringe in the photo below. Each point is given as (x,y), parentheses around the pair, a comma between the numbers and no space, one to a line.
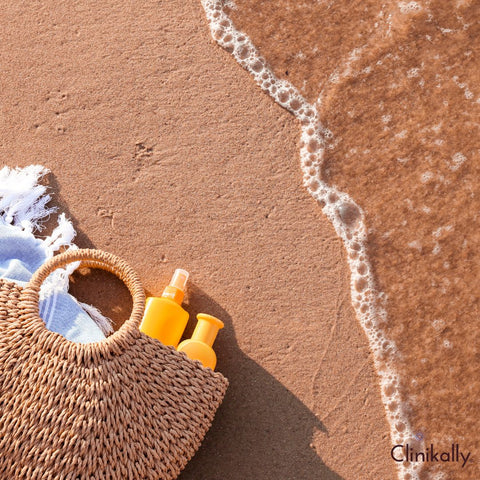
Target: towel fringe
(22,200)
(23,205)
(104,323)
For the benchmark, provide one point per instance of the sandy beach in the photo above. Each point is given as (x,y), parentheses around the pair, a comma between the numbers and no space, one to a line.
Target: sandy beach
(164,151)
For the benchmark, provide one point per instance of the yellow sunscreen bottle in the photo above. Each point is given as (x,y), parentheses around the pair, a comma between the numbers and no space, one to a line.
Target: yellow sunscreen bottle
(164,318)
(199,347)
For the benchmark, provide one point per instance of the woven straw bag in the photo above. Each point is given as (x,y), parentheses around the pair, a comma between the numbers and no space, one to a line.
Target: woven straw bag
(127,407)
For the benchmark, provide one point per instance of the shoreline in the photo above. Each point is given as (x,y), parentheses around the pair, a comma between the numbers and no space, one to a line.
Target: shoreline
(164,152)
(401,104)
(346,216)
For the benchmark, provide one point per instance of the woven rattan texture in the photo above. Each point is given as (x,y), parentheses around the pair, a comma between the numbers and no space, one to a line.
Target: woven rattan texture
(137,410)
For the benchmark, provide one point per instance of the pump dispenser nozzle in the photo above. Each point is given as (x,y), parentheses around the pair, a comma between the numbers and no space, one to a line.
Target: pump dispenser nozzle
(164,318)
(176,288)
(179,279)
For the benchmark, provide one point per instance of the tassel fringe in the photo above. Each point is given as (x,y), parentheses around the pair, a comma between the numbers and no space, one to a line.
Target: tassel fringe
(23,205)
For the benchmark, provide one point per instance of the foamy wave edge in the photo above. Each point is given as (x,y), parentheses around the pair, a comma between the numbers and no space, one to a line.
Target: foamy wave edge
(347,217)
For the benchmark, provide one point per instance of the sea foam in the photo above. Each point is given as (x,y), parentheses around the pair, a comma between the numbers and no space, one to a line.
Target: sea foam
(346,216)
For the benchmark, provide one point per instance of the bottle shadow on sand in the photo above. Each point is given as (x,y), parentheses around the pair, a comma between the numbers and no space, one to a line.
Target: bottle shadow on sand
(261,431)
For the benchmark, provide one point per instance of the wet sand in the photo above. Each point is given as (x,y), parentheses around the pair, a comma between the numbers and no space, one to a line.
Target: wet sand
(398,91)
(163,151)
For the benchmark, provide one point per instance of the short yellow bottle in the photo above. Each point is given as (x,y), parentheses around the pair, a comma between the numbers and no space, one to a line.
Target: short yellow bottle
(199,347)
(164,318)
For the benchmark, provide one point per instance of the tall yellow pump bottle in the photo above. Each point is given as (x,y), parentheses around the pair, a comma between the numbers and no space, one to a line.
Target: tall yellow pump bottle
(164,318)
(199,347)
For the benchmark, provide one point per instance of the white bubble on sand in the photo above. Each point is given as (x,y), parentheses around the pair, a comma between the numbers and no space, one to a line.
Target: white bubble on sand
(346,216)
(426,209)
(413,73)
(408,7)
(415,244)
(426,177)
(436,234)
(463,86)
(300,55)
(438,324)
(447,344)
(437,475)
(457,160)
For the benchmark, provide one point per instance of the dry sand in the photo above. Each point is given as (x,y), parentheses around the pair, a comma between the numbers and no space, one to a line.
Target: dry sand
(164,152)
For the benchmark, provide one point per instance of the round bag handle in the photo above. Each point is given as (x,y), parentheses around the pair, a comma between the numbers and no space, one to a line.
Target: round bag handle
(91,258)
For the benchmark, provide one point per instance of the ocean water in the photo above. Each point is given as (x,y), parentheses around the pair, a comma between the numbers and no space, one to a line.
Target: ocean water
(387,95)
